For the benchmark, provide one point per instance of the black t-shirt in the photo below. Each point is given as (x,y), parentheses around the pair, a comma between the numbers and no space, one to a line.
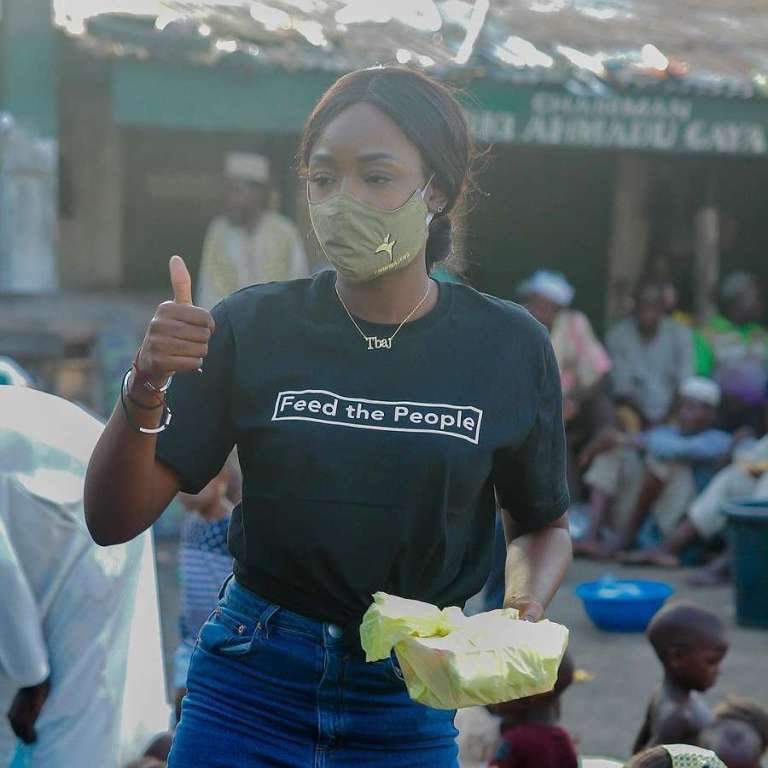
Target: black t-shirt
(371,470)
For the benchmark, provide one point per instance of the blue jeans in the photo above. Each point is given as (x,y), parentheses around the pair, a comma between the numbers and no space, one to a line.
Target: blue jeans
(268,687)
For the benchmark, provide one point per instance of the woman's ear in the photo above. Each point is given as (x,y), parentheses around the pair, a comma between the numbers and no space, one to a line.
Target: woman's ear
(435,198)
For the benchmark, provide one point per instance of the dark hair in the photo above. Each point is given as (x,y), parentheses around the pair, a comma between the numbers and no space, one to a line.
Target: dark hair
(745,711)
(428,113)
(684,626)
(656,757)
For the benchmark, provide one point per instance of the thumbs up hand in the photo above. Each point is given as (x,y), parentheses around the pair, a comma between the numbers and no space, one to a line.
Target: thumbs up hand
(178,335)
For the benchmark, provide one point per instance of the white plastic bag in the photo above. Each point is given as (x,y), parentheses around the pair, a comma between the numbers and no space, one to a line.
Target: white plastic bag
(450,660)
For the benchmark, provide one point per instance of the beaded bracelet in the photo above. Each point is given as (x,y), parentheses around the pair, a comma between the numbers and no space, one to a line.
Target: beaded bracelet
(167,415)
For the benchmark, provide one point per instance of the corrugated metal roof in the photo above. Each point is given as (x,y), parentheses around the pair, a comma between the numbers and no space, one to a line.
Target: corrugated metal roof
(595,46)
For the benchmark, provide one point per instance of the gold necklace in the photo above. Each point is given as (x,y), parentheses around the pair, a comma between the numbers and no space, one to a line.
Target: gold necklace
(377,342)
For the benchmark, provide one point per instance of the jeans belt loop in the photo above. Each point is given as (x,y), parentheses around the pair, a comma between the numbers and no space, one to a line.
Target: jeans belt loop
(262,625)
(224,585)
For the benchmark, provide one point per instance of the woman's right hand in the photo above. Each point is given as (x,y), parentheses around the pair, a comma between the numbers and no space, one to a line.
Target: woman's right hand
(177,338)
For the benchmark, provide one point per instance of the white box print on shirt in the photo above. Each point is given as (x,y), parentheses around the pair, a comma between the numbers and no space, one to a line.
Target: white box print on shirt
(321,406)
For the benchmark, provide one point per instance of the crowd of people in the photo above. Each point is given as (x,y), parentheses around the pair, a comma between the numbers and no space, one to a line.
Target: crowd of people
(665,421)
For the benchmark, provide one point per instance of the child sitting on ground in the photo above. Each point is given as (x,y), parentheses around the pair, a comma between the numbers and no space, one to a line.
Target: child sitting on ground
(204,564)
(690,643)
(676,756)
(739,734)
(531,737)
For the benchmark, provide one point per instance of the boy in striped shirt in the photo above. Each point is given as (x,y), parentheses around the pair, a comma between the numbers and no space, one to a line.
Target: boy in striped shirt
(204,563)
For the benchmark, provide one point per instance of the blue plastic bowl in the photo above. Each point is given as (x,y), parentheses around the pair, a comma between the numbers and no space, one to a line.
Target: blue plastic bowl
(623,605)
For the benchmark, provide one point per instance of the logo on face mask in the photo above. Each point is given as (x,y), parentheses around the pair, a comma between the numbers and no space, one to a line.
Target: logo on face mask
(387,246)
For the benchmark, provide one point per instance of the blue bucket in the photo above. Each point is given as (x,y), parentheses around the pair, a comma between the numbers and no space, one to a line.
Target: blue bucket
(623,605)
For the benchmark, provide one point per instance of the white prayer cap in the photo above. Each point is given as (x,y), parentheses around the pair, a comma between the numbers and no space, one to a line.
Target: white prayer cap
(550,285)
(247,167)
(704,390)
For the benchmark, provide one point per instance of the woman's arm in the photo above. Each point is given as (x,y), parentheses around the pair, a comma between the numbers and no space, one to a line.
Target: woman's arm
(532,492)
(126,488)
(536,565)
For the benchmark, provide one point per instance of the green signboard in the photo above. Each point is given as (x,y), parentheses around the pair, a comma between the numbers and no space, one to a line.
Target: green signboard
(553,117)
(214,99)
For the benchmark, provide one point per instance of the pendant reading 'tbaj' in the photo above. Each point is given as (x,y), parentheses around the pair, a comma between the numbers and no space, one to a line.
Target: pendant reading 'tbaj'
(374,342)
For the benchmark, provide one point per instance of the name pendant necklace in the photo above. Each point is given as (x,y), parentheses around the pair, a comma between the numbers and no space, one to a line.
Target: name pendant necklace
(378,342)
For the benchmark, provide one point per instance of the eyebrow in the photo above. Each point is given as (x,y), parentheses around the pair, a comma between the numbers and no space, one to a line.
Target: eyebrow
(372,156)
(368,157)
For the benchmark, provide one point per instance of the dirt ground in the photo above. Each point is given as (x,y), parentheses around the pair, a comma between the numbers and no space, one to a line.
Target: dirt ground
(605,713)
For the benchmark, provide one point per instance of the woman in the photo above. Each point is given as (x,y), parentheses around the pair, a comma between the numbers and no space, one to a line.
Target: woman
(375,415)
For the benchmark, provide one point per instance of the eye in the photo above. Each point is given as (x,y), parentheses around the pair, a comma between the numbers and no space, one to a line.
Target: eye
(321,179)
(377,178)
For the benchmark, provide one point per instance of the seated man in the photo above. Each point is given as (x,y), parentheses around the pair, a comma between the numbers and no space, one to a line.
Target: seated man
(732,348)
(652,356)
(746,477)
(659,472)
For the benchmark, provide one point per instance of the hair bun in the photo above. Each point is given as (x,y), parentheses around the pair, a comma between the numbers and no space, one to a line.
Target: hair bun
(439,240)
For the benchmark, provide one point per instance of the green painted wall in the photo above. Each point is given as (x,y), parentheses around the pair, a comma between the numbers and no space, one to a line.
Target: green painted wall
(213,99)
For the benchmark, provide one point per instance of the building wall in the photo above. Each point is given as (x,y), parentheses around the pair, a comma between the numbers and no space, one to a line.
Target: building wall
(91,177)
(543,208)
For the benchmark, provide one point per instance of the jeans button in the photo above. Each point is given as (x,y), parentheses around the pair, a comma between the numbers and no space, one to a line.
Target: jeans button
(335,631)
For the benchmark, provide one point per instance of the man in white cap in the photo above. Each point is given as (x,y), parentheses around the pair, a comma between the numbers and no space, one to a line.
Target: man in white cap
(582,359)
(654,474)
(249,243)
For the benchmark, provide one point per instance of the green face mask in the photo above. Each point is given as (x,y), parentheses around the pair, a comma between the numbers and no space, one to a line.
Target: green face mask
(363,242)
